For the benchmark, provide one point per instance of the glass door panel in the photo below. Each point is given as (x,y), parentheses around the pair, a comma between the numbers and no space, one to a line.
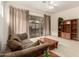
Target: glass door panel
(35,26)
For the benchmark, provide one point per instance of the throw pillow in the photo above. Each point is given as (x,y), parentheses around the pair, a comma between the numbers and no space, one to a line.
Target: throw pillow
(14,45)
(15,37)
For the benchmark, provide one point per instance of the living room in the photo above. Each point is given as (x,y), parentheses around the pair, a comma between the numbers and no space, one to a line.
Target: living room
(47,26)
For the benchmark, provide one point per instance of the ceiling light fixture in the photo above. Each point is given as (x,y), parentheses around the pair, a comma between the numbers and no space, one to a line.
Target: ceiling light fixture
(51,7)
(55,4)
(51,4)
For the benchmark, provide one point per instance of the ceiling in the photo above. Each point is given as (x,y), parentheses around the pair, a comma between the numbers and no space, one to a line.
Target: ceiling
(39,5)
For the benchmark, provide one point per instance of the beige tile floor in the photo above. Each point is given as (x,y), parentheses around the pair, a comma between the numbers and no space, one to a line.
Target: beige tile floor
(66,48)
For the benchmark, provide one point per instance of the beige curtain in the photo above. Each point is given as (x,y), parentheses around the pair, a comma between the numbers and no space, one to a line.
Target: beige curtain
(47,25)
(18,21)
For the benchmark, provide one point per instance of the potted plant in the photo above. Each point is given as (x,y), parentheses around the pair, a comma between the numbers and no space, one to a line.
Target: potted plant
(60,20)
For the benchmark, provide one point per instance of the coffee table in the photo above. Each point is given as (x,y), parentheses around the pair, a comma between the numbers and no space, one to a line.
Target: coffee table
(52,43)
(53,53)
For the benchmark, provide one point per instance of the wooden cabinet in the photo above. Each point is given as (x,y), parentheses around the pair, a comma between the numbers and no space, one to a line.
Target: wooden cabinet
(63,34)
(69,29)
(74,29)
(68,35)
(66,30)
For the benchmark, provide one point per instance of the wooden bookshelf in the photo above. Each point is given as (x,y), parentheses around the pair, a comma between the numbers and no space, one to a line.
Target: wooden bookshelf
(68,29)
(74,29)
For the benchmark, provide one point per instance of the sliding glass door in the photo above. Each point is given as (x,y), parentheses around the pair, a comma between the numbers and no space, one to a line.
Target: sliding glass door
(39,26)
(35,26)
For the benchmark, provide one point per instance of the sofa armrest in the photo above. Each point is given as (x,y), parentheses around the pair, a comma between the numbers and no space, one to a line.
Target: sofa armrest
(29,52)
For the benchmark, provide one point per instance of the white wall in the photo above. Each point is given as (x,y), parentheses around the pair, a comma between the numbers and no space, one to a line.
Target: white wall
(1,23)
(66,14)
(3,26)
(4,17)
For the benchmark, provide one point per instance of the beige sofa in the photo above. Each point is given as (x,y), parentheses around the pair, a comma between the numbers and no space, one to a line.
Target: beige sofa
(19,46)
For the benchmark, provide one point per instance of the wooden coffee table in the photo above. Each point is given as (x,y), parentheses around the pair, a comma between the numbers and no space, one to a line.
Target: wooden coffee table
(53,53)
(52,43)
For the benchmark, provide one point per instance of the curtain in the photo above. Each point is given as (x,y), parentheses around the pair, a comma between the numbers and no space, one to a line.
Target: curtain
(18,21)
(47,25)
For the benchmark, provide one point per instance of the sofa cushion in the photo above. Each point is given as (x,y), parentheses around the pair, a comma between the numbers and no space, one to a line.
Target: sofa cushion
(26,41)
(22,36)
(27,45)
(14,45)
